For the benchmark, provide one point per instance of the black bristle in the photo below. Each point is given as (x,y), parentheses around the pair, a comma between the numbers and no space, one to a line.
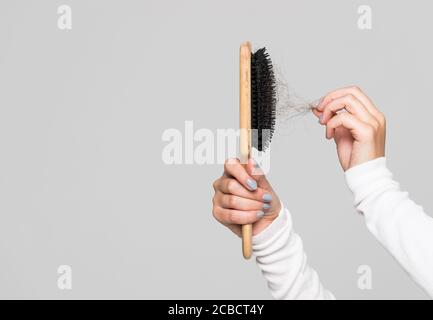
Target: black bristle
(263,99)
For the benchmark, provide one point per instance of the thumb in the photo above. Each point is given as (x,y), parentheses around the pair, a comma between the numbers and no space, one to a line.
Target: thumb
(256,172)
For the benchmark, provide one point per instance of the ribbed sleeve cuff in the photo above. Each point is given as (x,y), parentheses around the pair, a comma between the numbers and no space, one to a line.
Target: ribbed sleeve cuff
(368,178)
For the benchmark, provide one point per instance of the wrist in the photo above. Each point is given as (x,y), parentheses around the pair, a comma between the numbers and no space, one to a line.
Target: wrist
(364,154)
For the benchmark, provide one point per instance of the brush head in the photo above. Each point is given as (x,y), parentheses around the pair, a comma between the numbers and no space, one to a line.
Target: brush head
(263,99)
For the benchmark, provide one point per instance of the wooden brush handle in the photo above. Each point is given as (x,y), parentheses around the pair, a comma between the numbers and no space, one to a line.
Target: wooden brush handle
(247,237)
(245,129)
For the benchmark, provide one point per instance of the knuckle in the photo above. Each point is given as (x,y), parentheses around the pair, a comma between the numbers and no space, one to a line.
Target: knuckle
(356,89)
(349,101)
(231,201)
(231,218)
(350,98)
(231,161)
(250,217)
(217,215)
(381,118)
(369,132)
(342,117)
(215,185)
(231,185)
(260,193)
(228,165)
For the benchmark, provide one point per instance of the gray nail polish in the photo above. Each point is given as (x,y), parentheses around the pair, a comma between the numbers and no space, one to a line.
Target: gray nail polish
(252,184)
(260,214)
(321,118)
(256,164)
(266,206)
(267,197)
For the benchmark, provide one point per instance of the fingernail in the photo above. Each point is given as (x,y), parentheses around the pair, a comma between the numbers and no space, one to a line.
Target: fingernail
(260,214)
(252,184)
(320,118)
(317,102)
(267,197)
(266,206)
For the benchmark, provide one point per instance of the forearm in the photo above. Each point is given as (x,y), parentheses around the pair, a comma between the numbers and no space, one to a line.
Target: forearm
(282,260)
(402,226)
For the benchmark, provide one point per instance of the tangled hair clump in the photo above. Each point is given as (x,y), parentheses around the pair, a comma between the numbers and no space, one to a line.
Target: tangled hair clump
(288,104)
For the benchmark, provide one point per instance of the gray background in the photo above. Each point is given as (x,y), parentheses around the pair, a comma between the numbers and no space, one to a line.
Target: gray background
(82,112)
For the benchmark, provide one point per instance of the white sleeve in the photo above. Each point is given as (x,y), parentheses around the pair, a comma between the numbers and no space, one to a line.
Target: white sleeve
(396,221)
(280,256)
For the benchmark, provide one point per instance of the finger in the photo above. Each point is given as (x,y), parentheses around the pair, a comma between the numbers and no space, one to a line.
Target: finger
(229,216)
(254,170)
(355,91)
(233,187)
(233,168)
(237,229)
(348,121)
(352,105)
(229,201)
(316,112)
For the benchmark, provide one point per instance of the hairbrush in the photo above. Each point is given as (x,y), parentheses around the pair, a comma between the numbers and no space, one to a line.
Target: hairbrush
(257,101)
